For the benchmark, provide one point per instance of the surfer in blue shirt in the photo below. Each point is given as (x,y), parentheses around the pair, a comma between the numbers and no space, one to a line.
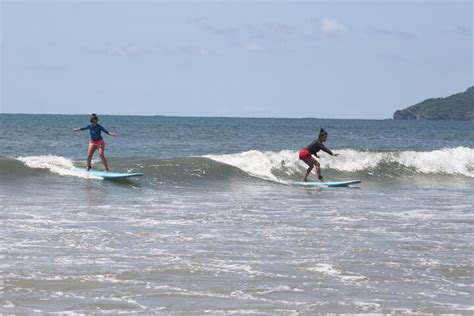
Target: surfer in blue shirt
(97,142)
(306,153)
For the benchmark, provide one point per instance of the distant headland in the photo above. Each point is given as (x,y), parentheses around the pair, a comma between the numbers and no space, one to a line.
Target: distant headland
(457,107)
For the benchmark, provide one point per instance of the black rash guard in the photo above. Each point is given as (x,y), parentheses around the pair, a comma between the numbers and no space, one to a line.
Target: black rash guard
(316,146)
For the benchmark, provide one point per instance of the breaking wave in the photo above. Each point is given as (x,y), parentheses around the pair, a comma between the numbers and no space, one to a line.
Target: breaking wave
(279,166)
(274,165)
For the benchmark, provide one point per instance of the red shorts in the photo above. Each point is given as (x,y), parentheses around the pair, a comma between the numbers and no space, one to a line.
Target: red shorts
(98,143)
(305,154)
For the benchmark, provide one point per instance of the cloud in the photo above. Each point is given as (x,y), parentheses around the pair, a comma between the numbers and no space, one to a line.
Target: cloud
(203,24)
(333,26)
(270,37)
(403,35)
(463,31)
(253,47)
(195,50)
(394,58)
(125,51)
(270,31)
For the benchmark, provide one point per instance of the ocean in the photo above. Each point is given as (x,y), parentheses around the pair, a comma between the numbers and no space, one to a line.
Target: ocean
(215,225)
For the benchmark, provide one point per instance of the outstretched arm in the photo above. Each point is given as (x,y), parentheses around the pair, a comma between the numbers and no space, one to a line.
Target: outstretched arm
(324,148)
(80,129)
(107,132)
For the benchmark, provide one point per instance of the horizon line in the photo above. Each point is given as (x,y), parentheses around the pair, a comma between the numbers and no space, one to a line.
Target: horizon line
(202,116)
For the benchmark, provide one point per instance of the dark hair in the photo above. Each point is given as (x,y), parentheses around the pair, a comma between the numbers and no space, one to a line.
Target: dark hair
(94,117)
(322,132)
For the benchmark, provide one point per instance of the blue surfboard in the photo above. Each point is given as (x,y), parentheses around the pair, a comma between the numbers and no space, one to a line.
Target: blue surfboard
(328,184)
(114,175)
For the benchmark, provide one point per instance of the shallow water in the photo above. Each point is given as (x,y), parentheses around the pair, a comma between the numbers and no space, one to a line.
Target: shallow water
(217,227)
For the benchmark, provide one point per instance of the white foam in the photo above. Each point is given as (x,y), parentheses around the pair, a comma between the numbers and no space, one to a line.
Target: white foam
(458,160)
(259,163)
(454,161)
(8,304)
(352,160)
(331,271)
(366,305)
(279,288)
(56,164)
(326,269)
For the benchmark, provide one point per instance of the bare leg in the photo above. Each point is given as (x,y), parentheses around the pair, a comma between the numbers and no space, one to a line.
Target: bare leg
(308,171)
(311,162)
(102,157)
(90,153)
(318,171)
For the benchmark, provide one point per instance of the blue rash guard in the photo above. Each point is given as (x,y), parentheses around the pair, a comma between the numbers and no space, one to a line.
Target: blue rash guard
(95,131)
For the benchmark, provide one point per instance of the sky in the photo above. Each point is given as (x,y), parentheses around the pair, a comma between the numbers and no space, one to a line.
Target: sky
(323,59)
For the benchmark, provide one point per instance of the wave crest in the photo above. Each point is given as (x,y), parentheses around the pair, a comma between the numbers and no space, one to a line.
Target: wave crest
(55,164)
(281,166)
(271,165)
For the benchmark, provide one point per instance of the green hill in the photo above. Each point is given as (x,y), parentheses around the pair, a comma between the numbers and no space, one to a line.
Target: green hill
(459,107)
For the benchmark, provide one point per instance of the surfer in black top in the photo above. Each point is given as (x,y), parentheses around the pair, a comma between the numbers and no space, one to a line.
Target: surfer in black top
(306,153)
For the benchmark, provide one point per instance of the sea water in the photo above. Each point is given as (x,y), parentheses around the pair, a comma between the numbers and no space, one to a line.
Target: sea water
(215,226)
